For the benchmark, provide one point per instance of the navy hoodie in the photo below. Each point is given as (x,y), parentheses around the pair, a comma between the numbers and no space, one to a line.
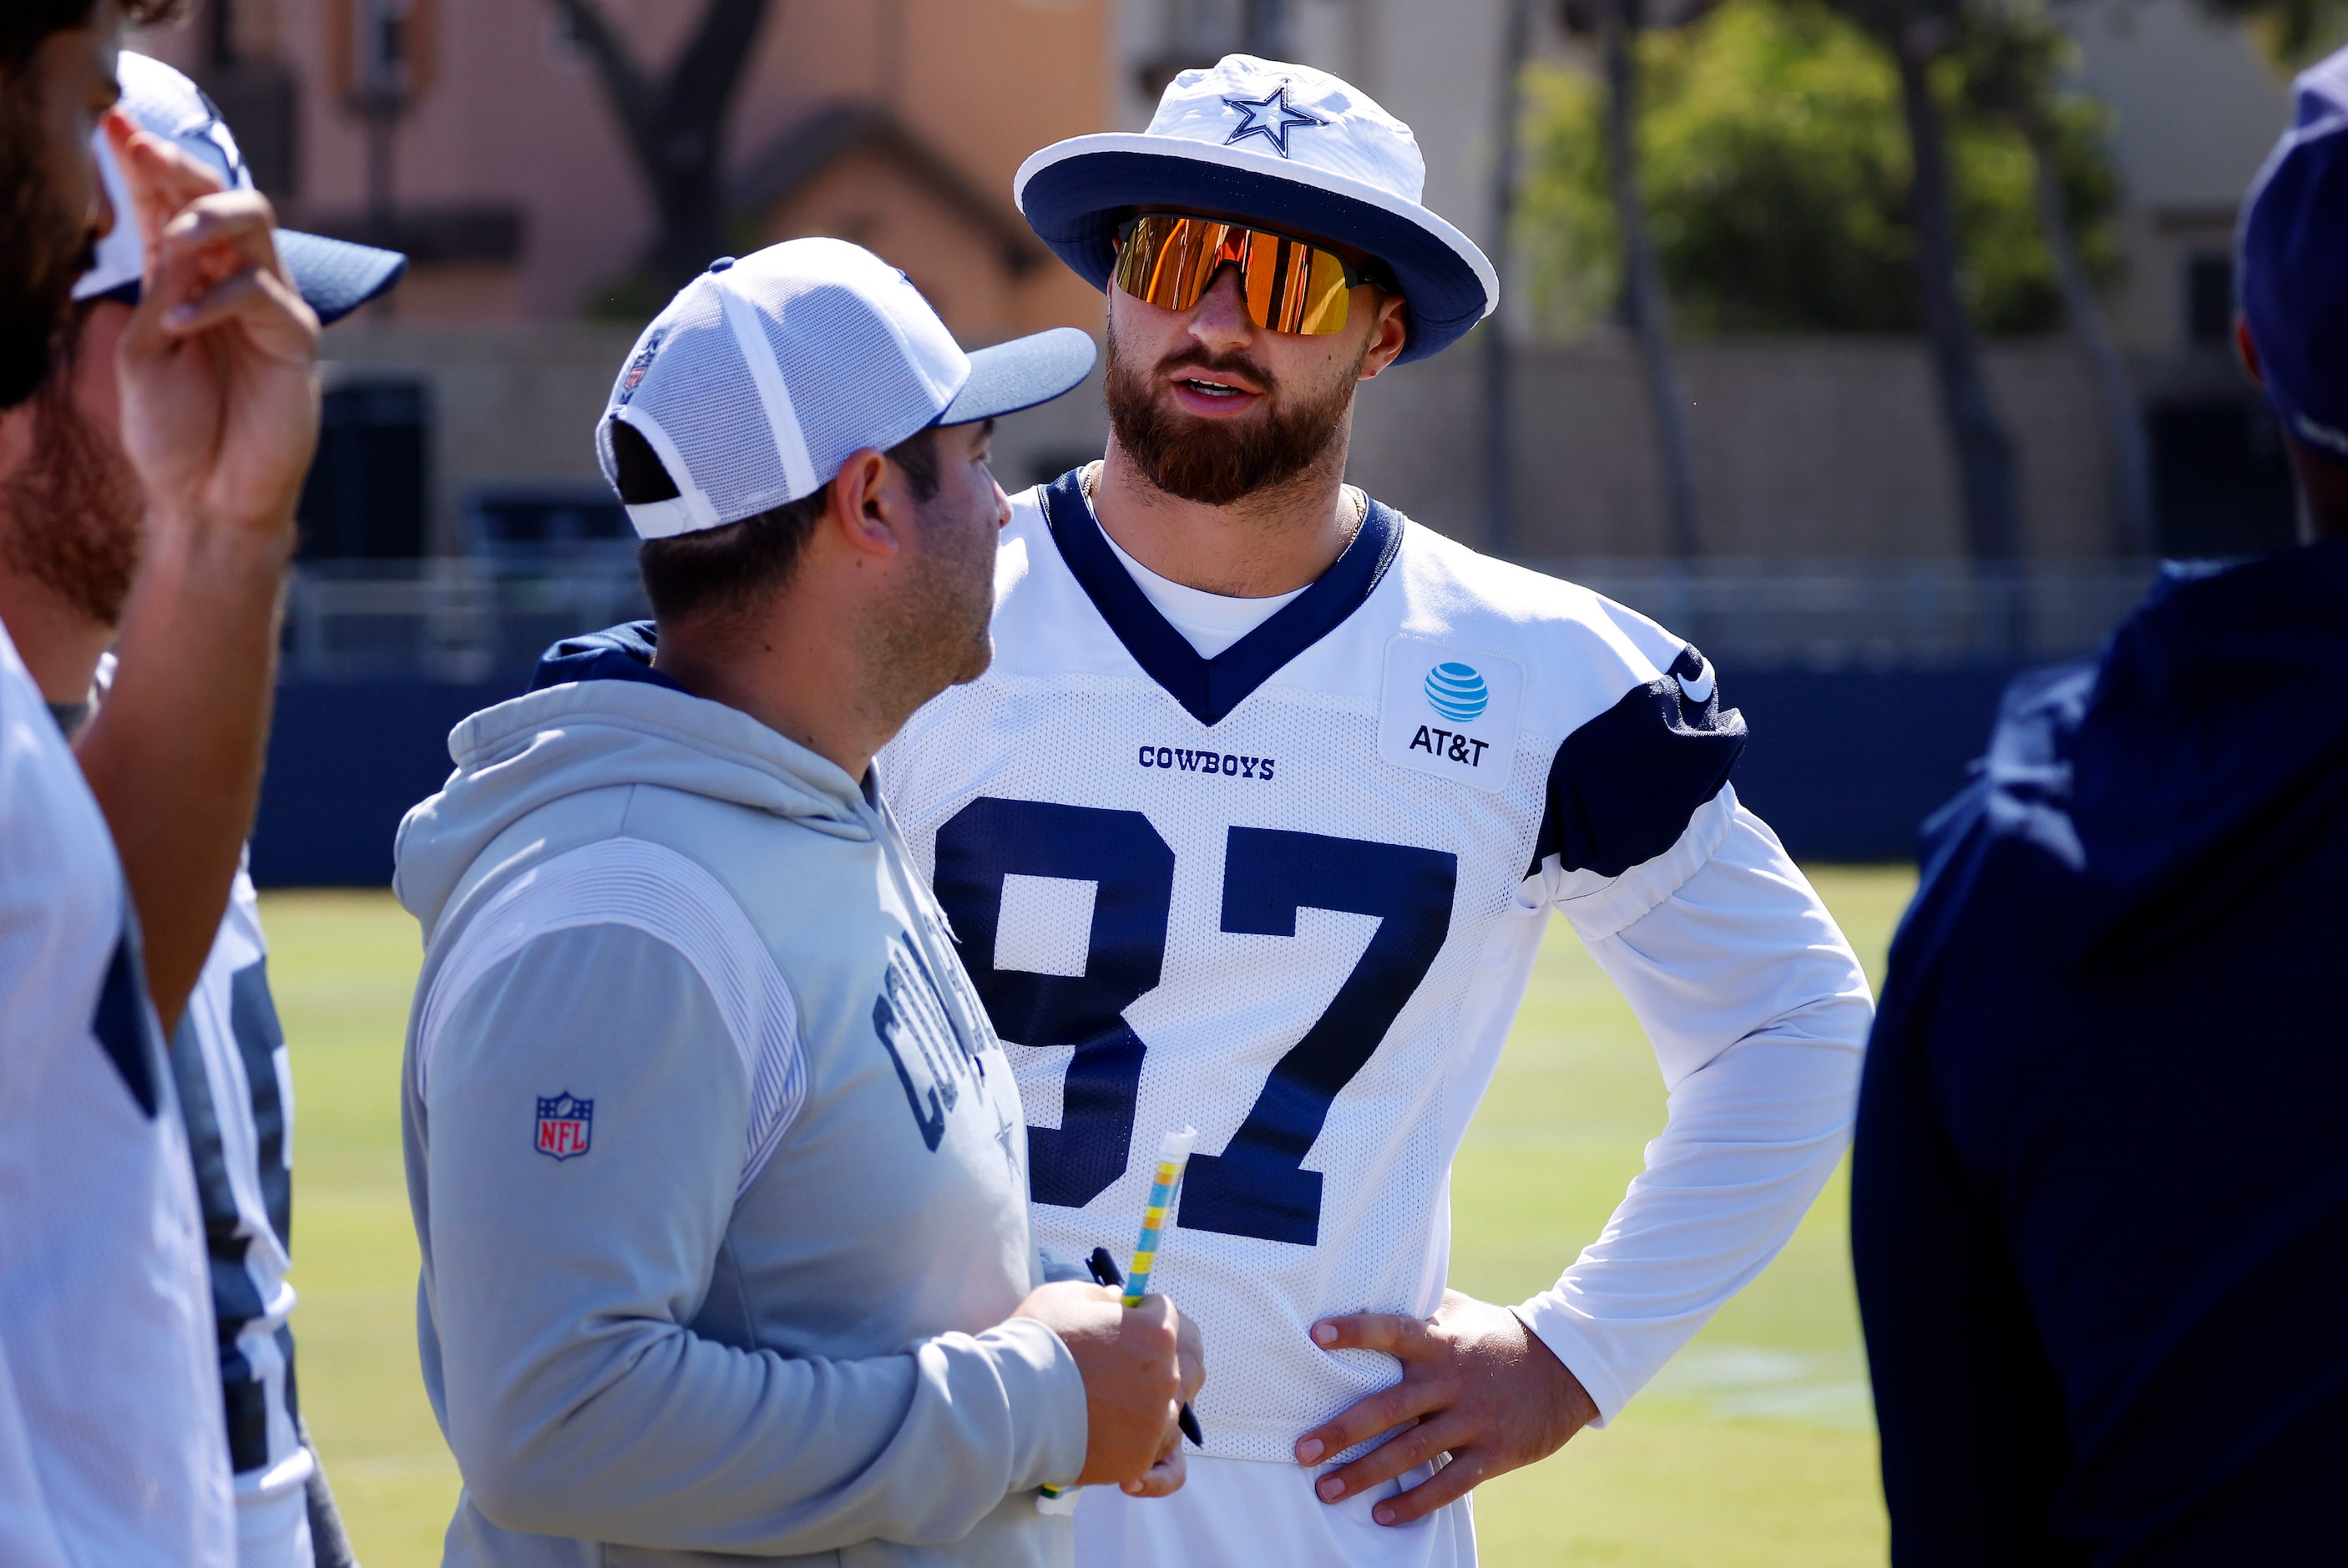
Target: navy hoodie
(2099,1206)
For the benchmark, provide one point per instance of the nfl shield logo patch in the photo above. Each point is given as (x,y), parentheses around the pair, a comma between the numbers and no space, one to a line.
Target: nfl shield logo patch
(564,1125)
(634,376)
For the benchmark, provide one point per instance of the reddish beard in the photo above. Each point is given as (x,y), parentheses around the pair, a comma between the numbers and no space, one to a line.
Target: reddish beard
(71,518)
(1218,461)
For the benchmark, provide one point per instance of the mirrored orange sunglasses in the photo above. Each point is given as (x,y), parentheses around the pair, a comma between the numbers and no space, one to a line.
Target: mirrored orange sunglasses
(1290,285)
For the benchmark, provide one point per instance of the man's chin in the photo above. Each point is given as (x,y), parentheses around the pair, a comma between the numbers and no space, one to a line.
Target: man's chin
(982,659)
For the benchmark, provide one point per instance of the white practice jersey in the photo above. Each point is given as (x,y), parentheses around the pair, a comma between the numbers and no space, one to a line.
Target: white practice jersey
(237,1090)
(1290,895)
(105,1321)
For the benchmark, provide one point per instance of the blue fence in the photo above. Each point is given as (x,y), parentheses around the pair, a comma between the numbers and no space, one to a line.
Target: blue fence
(1844,764)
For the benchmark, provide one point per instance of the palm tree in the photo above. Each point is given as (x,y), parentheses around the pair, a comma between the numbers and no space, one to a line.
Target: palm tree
(1644,298)
(2013,56)
(2294,31)
(1917,34)
(675,124)
(1500,382)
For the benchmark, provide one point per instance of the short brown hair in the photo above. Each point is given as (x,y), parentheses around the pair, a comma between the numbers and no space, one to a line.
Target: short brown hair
(728,570)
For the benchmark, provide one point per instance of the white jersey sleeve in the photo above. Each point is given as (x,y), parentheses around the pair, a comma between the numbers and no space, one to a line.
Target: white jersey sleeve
(105,1317)
(1758,1013)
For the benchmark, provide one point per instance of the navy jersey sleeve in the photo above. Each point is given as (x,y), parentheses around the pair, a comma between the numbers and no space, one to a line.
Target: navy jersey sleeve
(1622,787)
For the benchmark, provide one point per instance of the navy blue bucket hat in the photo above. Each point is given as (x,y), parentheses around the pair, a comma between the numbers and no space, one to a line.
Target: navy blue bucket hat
(1283,145)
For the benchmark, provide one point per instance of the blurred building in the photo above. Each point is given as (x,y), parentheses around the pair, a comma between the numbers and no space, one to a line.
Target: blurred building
(455,522)
(477,135)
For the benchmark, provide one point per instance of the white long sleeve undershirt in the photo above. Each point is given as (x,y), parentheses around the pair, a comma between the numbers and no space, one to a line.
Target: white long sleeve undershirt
(1758,1012)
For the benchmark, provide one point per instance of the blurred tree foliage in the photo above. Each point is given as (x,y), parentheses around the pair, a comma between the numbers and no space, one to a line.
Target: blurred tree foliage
(2295,33)
(1777,170)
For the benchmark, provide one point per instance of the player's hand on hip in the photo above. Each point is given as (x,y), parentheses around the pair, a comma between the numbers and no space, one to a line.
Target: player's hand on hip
(1139,1364)
(1477,1385)
(219,363)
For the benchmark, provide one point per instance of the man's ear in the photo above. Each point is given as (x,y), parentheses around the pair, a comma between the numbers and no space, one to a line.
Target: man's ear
(1386,340)
(2248,349)
(863,507)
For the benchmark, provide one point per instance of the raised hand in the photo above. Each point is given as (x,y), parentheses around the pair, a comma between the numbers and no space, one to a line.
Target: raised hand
(1476,1384)
(219,363)
(219,375)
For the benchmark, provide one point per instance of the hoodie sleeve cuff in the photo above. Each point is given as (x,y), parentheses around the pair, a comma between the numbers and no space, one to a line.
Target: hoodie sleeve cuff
(1046,1394)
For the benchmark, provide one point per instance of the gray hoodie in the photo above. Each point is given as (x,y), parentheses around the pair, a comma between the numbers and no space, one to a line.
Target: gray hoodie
(718,1170)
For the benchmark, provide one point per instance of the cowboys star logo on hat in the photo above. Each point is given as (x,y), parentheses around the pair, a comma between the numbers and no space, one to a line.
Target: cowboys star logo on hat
(1225,141)
(566,1125)
(1271,117)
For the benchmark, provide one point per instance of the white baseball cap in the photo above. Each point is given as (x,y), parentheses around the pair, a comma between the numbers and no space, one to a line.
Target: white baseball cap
(335,276)
(1293,148)
(764,375)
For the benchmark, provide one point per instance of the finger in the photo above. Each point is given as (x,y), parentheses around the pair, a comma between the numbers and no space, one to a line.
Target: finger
(1155,1309)
(1163,1478)
(162,178)
(214,236)
(1191,1352)
(1447,1485)
(279,322)
(241,219)
(1422,1444)
(1413,1398)
(1390,1331)
(117,128)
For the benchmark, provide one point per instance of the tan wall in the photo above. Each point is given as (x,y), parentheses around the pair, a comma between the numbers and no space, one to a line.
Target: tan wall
(1803,447)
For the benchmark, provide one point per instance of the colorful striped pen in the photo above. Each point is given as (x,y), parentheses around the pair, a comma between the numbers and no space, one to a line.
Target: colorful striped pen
(1173,1159)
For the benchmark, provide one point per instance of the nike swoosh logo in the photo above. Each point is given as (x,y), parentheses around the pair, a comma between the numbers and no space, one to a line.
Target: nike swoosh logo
(1698,690)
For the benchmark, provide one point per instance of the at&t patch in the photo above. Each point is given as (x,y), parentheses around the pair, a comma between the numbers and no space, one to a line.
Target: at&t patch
(1451,711)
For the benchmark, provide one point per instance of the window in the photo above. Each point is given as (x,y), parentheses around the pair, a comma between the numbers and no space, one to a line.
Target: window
(2209,298)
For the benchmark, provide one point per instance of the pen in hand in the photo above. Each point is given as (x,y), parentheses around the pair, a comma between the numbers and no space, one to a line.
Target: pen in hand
(1104,1270)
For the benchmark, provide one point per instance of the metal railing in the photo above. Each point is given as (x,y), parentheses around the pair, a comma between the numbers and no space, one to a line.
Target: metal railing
(442,620)
(1874,614)
(464,620)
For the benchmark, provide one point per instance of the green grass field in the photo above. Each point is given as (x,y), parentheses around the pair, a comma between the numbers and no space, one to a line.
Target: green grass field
(1756,1447)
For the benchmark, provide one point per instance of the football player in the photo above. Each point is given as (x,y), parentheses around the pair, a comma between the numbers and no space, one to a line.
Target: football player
(70,542)
(110,1441)
(1256,823)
